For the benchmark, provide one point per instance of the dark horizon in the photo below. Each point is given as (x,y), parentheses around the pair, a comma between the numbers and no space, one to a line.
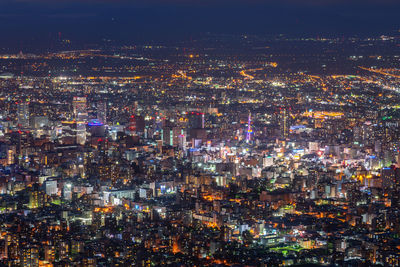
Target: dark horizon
(38,22)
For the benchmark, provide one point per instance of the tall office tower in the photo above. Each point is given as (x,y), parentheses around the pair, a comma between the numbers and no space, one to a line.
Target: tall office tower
(102,111)
(81,116)
(173,136)
(23,113)
(284,123)
(196,120)
(131,129)
(80,107)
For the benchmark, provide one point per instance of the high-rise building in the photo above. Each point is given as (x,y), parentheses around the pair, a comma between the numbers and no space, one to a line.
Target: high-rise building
(80,107)
(23,113)
(131,129)
(49,253)
(51,187)
(81,116)
(196,120)
(30,256)
(67,191)
(284,123)
(36,199)
(173,135)
(102,111)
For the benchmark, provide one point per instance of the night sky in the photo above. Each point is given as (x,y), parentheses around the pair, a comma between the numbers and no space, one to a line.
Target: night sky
(38,21)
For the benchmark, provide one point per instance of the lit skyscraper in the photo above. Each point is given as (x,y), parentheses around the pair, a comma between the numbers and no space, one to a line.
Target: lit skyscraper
(131,129)
(284,123)
(23,113)
(81,116)
(102,111)
(80,108)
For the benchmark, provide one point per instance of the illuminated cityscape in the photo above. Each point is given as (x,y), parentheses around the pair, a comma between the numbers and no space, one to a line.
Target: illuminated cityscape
(218,149)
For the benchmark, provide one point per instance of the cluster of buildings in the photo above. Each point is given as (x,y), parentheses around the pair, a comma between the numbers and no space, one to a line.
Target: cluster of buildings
(238,163)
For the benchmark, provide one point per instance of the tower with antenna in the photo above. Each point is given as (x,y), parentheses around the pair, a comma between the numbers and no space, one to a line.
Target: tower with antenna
(249,130)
